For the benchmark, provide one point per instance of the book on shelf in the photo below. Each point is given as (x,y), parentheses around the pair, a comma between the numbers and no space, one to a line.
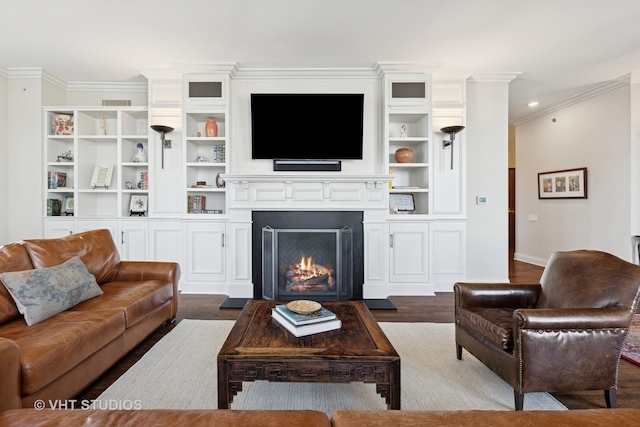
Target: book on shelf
(196,204)
(57,180)
(304,330)
(144,179)
(304,319)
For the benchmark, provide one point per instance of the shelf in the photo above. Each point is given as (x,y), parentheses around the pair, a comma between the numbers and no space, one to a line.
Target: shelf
(207,140)
(408,165)
(409,190)
(408,140)
(205,190)
(206,165)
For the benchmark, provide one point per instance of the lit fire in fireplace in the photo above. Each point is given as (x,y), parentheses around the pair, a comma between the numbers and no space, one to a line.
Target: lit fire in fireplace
(307,276)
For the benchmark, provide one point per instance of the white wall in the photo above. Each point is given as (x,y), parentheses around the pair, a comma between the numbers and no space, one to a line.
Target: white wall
(595,134)
(4,159)
(487,175)
(80,98)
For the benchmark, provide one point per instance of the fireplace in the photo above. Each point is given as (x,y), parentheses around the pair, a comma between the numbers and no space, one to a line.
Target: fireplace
(307,255)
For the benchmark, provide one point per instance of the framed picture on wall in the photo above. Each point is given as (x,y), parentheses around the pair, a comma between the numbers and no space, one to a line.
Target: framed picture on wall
(563,184)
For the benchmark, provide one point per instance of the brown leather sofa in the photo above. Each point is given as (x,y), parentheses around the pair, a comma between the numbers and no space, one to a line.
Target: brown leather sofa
(58,357)
(562,334)
(307,418)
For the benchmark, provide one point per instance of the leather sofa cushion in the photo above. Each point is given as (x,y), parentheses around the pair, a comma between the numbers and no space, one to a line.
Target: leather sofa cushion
(166,417)
(13,257)
(580,417)
(136,299)
(56,345)
(494,324)
(96,248)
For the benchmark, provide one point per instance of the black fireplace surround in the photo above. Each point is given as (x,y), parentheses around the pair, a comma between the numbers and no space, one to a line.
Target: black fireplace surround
(308,220)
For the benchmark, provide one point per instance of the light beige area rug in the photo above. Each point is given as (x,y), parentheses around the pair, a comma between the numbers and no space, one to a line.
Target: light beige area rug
(179,372)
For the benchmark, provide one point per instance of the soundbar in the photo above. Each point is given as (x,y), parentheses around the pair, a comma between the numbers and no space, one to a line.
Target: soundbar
(307,165)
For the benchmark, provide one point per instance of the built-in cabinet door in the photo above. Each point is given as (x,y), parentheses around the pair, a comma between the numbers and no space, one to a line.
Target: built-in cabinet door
(408,250)
(205,252)
(59,228)
(134,240)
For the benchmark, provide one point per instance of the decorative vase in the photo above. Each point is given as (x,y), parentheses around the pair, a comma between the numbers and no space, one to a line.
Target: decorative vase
(404,155)
(211,128)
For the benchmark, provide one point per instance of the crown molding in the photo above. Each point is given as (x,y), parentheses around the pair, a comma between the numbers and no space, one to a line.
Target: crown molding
(494,77)
(600,89)
(36,73)
(4,72)
(305,73)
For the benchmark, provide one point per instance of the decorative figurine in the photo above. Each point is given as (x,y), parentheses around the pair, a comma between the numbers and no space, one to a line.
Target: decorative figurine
(403,131)
(141,156)
(201,158)
(103,126)
(66,157)
(129,185)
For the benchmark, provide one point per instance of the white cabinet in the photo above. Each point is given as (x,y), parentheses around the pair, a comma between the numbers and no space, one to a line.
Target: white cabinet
(134,240)
(205,269)
(59,228)
(409,256)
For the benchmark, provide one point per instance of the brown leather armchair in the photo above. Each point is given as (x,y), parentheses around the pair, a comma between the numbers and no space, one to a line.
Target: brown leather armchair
(563,334)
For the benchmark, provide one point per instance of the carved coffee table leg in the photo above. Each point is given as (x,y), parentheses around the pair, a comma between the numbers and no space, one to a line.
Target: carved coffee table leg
(223,386)
(394,386)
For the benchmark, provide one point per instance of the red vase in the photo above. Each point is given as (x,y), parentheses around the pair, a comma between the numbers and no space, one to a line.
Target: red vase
(211,128)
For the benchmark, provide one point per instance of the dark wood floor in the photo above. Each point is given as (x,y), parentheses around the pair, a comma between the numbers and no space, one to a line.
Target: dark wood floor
(438,308)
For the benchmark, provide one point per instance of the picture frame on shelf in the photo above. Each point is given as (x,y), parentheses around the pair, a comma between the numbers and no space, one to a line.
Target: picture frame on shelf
(68,204)
(102,175)
(138,205)
(62,124)
(563,184)
(401,203)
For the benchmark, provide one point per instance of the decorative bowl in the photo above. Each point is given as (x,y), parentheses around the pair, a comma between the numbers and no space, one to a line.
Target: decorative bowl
(403,155)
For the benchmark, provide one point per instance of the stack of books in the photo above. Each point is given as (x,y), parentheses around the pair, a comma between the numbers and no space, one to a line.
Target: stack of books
(301,325)
(196,204)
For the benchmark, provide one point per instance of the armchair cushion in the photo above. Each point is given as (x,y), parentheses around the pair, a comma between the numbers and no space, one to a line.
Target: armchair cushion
(495,324)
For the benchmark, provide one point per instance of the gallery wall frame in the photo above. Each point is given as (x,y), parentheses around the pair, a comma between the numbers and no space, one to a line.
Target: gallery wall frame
(563,184)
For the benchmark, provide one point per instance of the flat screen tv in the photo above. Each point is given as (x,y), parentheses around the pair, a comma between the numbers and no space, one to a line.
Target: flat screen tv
(306,126)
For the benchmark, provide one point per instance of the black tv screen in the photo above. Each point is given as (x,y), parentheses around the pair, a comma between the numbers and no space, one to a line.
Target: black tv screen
(307,126)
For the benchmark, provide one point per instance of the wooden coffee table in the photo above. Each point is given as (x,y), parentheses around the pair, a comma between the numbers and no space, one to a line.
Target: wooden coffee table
(258,348)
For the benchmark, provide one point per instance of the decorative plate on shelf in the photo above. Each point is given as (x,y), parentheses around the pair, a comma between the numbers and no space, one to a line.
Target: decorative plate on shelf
(304,306)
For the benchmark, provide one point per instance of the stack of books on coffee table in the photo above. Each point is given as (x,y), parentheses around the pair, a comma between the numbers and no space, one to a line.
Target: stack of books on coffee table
(301,325)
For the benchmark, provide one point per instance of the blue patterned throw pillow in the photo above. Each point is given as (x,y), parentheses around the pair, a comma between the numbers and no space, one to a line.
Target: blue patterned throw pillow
(41,293)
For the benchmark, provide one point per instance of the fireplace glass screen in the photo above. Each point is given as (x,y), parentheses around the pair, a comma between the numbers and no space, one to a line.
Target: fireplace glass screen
(307,263)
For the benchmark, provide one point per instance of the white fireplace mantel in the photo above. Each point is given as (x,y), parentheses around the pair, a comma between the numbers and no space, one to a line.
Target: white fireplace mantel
(308,191)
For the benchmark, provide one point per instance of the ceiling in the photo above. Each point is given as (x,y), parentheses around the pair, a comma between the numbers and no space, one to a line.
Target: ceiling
(561,48)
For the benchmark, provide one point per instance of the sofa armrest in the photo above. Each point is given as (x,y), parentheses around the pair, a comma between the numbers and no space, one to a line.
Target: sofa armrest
(499,295)
(572,318)
(10,397)
(168,272)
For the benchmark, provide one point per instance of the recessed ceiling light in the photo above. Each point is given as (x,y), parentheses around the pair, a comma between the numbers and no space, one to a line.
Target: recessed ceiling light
(532,103)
